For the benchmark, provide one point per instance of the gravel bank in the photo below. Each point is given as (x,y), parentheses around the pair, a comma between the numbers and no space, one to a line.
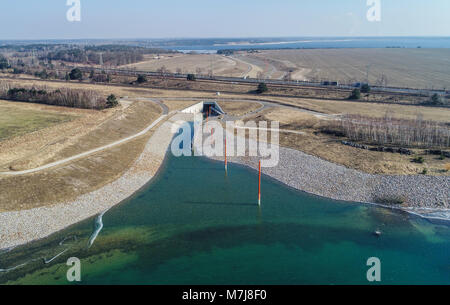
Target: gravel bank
(20,227)
(424,195)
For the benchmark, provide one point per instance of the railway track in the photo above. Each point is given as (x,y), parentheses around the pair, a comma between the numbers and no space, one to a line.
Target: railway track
(273,82)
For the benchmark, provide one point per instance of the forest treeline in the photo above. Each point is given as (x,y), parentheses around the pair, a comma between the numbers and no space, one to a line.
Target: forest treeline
(75,98)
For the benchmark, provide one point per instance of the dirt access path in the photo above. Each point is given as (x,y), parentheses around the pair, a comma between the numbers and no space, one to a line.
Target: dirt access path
(96,150)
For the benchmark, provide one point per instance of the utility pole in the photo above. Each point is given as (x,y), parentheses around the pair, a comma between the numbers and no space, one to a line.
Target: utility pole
(211,67)
(33,57)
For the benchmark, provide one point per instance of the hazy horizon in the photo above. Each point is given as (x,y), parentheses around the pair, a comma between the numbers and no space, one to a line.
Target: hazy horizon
(211,38)
(203,19)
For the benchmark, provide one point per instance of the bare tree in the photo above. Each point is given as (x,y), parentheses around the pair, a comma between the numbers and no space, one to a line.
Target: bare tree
(287,77)
(392,131)
(382,80)
(260,75)
(163,72)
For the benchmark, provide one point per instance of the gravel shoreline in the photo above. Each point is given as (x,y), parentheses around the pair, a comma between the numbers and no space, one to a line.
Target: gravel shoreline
(426,196)
(21,227)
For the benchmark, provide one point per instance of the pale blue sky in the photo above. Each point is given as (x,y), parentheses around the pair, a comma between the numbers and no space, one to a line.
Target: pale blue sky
(46,19)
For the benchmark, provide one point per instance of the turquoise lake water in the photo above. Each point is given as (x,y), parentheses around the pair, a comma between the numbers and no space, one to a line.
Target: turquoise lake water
(195,225)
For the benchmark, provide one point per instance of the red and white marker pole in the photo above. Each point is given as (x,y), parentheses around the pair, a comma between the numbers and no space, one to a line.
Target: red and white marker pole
(226,161)
(259,185)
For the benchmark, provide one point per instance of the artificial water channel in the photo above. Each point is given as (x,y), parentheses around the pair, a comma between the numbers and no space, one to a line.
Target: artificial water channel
(195,225)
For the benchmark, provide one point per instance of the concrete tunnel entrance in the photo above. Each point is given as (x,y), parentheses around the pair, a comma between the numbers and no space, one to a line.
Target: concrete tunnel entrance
(208,109)
(211,109)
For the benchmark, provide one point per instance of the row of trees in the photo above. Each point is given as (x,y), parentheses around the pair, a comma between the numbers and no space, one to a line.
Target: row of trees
(77,74)
(85,57)
(105,54)
(86,99)
(393,131)
(435,100)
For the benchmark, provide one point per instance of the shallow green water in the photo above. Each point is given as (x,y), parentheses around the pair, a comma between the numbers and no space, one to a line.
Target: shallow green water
(194,225)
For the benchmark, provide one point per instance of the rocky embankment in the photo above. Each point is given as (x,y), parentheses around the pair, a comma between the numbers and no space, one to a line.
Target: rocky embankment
(422,194)
(20,227)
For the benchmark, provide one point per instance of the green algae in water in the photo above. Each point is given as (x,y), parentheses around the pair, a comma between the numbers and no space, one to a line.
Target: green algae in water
(194,225)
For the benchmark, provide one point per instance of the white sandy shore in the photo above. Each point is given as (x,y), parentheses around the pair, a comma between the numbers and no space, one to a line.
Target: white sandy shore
(20,227)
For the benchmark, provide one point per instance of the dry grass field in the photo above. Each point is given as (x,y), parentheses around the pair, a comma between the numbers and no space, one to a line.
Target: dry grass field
(371,109)
(19,118)
(86,133)
(66,182)
(175,105)
(238,108)
(190,63)
(268,68)
(329,147)
(48,139)
(417,68)
(89,129)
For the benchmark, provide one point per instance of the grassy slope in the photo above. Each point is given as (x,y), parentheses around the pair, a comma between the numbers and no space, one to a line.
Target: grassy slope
(16,120)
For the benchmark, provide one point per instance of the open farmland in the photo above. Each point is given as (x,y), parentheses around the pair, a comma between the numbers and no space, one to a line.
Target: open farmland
(194,63)
(415,68)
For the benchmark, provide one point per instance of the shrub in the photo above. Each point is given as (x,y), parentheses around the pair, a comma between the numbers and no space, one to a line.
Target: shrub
(15,92)
(425,171)
(141,79)
(356,95)
(43,74)
(76,74)
(18,71)
(112,101)
(419,159)
(436,100)
(100,78)
(365,88)
(262,87)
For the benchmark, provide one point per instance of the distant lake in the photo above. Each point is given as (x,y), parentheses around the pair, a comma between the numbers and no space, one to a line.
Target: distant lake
(320,43)
(211,45)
